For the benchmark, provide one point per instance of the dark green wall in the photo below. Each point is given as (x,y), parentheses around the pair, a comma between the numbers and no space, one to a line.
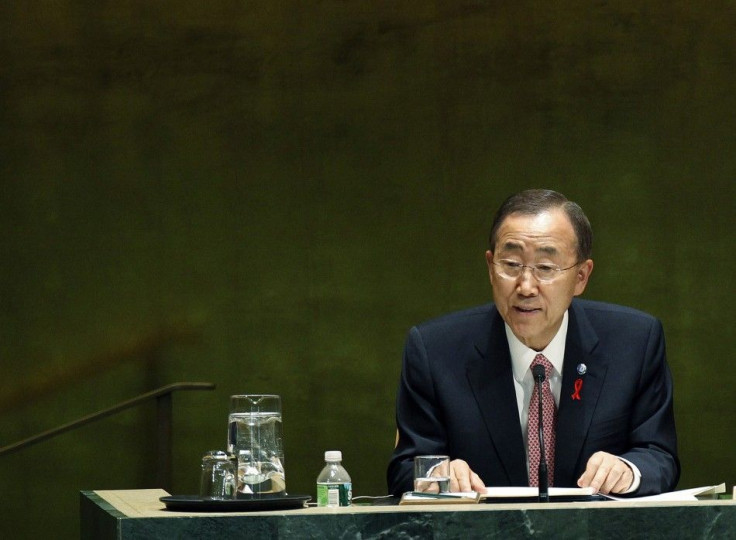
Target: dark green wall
(297,183)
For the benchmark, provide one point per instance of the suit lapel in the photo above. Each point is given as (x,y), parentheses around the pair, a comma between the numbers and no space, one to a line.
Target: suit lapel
(575,415)
(491,379)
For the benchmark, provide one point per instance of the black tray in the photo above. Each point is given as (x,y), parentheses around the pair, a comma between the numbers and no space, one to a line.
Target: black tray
(195,503)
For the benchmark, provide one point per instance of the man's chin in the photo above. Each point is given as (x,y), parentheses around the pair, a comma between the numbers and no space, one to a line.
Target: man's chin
(525,333)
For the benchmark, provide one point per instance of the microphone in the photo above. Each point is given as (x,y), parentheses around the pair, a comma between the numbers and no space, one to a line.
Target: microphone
(539,375)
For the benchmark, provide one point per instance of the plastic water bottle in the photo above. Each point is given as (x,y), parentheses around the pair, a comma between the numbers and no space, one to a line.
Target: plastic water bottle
(334,486)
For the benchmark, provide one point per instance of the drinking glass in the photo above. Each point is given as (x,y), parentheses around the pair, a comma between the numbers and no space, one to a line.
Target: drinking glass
(218,479)
(432,474)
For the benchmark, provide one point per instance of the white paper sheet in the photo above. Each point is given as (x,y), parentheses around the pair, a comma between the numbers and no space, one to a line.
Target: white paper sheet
(681,495)
(501,492)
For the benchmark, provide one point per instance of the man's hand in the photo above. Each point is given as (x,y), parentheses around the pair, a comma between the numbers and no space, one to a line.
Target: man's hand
(462,479)
(606,474)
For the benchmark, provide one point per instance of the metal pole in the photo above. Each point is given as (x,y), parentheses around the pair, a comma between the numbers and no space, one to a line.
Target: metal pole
(164,416)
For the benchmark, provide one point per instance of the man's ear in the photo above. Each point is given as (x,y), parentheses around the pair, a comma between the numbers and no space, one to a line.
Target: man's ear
(582,276)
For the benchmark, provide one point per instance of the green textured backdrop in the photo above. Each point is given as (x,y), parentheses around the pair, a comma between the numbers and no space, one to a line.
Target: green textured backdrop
(294,184)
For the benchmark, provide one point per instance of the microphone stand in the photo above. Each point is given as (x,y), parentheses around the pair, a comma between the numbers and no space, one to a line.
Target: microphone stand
(543,482)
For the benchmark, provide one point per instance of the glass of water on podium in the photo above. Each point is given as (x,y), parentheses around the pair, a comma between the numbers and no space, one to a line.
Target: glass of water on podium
(255,439)
(432,474)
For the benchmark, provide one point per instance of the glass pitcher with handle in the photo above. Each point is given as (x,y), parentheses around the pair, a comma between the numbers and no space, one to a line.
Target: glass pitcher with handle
(255,439)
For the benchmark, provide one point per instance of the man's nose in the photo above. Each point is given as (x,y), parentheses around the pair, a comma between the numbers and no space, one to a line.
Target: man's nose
(527,283)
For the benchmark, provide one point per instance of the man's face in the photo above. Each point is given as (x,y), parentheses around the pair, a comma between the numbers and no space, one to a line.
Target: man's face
(533,309)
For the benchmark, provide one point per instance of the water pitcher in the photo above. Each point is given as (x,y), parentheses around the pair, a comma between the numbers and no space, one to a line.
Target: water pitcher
(254,437)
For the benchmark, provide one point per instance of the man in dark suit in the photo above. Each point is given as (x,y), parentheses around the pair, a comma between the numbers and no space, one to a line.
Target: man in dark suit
(466,381)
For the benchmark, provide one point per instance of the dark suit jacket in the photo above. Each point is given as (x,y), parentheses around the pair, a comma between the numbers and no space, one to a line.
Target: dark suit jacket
(456,397)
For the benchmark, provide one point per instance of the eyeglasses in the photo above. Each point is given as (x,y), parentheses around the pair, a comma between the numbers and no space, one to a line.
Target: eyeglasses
(544,272)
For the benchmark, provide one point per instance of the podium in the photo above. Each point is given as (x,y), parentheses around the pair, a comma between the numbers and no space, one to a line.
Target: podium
(138,514)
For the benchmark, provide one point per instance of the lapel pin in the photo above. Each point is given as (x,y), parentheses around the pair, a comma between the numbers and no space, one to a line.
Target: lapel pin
(582,368)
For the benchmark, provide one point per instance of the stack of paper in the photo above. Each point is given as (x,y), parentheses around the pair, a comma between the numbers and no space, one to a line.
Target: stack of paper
(421,497)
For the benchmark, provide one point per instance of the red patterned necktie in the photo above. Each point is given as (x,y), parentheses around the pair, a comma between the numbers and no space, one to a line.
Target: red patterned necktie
(550,422)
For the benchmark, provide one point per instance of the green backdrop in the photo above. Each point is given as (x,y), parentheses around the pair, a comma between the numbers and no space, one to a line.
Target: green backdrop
(267,195)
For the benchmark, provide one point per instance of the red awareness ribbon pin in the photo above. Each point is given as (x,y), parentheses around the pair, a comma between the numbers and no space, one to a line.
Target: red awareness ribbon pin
(578,387)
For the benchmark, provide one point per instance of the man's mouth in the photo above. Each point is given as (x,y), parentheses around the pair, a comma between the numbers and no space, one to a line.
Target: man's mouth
(526,310)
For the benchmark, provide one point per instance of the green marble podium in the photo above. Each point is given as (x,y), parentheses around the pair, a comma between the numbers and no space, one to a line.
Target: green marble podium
(138,514)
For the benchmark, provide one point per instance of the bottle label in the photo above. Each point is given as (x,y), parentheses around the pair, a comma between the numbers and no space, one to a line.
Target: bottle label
(334,494)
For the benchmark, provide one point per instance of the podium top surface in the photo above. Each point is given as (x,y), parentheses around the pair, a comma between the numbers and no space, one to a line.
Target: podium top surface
(145,503)
(136,514)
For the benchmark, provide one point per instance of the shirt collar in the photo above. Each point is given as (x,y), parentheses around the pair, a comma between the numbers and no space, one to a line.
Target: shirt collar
(522,356)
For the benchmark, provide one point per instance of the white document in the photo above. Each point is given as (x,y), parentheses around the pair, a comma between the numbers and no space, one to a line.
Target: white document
(414,497)
(515,492)
(682,495)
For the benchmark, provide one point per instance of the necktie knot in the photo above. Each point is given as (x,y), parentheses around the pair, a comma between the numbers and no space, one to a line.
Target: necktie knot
(541,360)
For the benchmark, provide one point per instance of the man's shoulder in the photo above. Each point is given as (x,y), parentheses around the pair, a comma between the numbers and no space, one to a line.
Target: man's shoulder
(613,320)
(462,318)
(457,331)
(604,309)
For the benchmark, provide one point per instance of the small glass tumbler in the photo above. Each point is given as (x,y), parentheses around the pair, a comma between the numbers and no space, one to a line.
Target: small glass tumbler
(432,474)
(219,476)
